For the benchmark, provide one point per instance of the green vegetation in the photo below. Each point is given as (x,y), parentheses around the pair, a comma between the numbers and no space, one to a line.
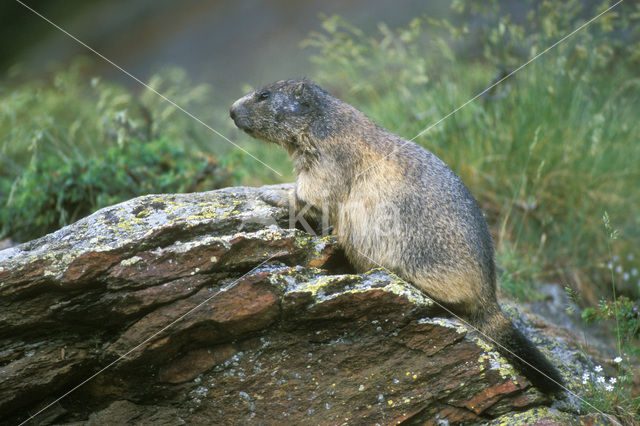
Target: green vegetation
(615,394)
(611,394)
(72,146)
(626,314)
(52,193)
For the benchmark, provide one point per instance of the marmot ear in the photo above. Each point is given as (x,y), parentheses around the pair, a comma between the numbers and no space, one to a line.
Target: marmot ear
(304,93)
(303,90)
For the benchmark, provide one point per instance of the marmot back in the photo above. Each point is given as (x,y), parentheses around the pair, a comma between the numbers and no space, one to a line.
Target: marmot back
(391,203)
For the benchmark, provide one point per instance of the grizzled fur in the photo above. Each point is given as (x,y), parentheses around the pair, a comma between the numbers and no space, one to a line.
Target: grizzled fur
(391,203)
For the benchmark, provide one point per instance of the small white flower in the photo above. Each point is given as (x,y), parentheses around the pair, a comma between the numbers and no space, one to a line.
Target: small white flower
(615,257)
(630,257)
(617,360)
(612,380)
(597,368)
(609,265)
(634,272)
(625,276)
(584,382)
(600,379)
(608,388)
(619,269)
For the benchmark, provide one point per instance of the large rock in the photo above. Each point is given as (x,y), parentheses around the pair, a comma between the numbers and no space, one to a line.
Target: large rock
(208,308)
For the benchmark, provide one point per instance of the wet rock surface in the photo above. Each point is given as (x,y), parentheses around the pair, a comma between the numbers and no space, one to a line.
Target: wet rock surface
(208,308)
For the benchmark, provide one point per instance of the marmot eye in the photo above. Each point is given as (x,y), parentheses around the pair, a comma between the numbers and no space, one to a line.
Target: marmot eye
(263,95)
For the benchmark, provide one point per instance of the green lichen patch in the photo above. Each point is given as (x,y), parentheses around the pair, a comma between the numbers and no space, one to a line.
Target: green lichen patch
(324,288)
(489,358)
(538,415)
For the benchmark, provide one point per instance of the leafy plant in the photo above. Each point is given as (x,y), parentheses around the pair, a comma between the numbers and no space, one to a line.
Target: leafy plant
(626,314)
(75,144)
(53,192)
(612,394)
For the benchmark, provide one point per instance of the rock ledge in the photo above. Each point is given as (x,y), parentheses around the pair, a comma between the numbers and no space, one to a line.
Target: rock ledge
(176,288)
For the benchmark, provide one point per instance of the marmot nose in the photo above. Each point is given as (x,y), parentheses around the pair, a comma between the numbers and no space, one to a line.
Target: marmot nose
(233,113)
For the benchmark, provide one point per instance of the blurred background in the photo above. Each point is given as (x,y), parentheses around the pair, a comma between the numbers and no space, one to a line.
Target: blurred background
(225,43)
(551,153)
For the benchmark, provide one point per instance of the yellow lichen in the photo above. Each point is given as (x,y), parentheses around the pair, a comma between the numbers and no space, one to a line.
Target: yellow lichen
(131,261)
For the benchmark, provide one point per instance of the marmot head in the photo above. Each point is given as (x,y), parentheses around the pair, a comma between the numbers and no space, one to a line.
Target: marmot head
(282,112)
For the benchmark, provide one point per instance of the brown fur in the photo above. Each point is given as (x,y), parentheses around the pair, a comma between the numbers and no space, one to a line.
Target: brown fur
(391,203)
